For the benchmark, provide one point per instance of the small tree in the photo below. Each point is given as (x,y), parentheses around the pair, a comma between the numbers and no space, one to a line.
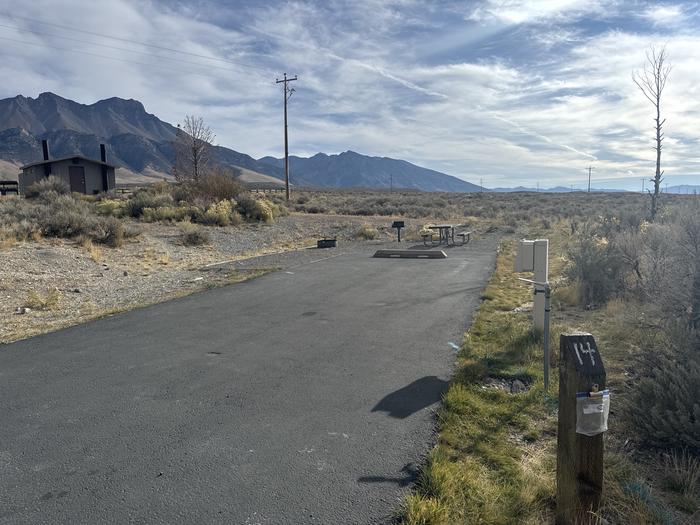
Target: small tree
(192,147)
(651,81)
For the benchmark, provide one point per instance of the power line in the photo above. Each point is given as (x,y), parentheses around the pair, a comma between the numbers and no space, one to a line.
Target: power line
(118,48)
(130,41)
(107,57)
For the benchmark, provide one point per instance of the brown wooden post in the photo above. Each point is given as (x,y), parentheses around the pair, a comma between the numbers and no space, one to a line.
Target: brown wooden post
(579,457)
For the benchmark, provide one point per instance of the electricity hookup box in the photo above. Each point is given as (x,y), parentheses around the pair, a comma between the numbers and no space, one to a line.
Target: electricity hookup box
(525,256)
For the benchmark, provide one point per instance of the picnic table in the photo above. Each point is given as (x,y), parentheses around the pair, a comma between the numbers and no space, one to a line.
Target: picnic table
(446,234)
(445,231)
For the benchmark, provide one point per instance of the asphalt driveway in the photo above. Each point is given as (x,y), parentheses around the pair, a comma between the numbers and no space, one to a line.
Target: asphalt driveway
(303,396)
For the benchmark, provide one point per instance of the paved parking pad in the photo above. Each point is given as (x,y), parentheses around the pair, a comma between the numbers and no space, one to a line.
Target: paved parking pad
(304,396)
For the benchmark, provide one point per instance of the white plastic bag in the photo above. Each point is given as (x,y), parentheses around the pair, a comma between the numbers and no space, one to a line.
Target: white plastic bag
(592,409)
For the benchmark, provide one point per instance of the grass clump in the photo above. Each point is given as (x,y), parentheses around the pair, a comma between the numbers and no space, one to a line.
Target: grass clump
(421,510)
(94,251)
(367,232)
(681,473)
(48,301)
(192,234)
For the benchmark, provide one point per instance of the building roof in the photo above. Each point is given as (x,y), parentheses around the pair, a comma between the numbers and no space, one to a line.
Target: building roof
(50,161)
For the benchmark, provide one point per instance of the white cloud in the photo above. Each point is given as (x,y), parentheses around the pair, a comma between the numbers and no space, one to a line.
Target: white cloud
(523,11)
(371,80)
(664,15)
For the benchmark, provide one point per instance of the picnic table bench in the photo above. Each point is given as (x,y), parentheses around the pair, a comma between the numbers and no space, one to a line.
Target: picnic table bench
(446,234)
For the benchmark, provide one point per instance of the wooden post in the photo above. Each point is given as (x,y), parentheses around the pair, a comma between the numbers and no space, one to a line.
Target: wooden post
(579,457)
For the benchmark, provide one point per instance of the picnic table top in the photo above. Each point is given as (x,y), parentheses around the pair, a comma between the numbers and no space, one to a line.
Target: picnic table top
(435,226)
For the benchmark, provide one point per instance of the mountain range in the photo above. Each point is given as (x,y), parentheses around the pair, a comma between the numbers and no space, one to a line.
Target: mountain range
(140,144)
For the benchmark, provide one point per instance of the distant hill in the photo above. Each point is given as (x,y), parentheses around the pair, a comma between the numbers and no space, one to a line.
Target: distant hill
(136,141)
(685,189)
(555,189)
(141,145)
(353,170)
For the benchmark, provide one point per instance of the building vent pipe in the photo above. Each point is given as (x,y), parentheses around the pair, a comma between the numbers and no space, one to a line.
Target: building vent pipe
(45,148)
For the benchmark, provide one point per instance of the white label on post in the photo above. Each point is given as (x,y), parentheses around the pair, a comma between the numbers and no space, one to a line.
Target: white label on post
(592,410)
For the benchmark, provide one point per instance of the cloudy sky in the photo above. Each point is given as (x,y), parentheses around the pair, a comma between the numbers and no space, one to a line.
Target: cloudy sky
(511,92)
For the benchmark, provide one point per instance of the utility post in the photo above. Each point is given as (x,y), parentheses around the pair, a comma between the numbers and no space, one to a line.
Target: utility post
(287,94)
(584,405)
(590,168)
(533,256)
(541,275)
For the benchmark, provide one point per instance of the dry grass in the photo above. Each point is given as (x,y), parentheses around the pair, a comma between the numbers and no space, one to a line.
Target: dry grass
(48,301)
(367,232)
(94,251)
(7,239)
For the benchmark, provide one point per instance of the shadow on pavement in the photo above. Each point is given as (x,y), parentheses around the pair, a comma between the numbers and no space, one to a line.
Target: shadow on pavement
(421,393)
(410,471)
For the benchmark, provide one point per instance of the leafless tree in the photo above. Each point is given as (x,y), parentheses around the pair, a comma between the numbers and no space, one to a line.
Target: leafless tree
(652,81)
(192,147)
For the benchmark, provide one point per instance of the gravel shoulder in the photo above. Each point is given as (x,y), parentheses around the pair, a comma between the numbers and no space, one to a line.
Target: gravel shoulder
(152,268)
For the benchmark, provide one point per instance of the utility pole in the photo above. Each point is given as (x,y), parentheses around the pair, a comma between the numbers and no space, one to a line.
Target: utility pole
(590,168)
(642,186)
(391,183)
(287,94)
(481,185)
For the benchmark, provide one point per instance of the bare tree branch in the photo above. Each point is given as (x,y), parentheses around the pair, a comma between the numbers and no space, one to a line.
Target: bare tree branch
(192,149)
(651,81)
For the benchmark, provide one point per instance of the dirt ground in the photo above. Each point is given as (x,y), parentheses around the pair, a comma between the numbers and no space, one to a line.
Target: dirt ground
(53,283)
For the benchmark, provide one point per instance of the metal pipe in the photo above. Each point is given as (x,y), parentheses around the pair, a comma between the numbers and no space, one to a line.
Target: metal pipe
(547,310)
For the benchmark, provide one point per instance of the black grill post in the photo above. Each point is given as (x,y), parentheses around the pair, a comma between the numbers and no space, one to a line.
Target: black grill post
(45,150)
(103,158)
(398,225)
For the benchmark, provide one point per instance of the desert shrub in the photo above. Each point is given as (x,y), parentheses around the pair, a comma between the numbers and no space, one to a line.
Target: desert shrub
(109,231)
(218,186)
(278,209)
(367,232)
(597,267)
(59,215)
(255,209)
(65,217)
(146,199)
(221,214)
(192,235)
(111,207)
(664,407)
(49,184)
(166,214)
